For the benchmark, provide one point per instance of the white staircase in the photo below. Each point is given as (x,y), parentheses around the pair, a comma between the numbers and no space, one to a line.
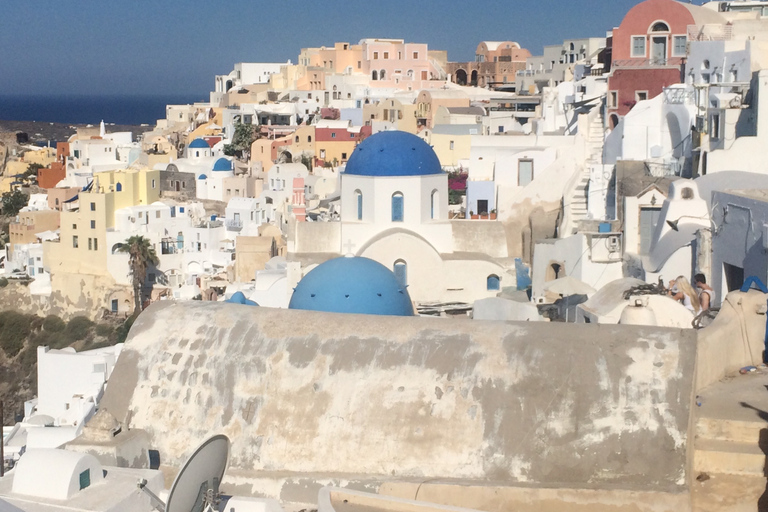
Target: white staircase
(575,200)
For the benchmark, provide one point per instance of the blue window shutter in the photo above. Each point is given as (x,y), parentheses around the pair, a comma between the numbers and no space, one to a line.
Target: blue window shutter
(359,206)
(397,208)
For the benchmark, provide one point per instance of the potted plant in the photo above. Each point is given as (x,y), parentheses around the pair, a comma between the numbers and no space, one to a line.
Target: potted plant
(493,214)
(472,215)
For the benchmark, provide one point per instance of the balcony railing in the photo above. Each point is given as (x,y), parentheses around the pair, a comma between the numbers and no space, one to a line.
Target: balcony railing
(710,32)
(673,62)
(234,225)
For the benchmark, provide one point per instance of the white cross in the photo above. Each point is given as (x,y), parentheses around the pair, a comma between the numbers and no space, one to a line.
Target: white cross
(349,246)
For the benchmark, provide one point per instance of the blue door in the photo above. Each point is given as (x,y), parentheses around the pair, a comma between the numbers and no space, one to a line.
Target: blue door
(397,208)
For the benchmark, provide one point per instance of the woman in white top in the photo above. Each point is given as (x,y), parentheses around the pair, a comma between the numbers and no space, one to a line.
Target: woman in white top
(682,291)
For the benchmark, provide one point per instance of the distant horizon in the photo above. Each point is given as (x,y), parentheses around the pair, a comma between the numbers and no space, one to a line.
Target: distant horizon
(123,109)
(99,48)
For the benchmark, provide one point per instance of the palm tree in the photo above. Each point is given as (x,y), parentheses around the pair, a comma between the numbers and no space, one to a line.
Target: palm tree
(141,256)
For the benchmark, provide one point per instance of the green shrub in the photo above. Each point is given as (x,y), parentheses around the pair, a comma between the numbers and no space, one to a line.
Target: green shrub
(14,330)
(3,282)
(77,328)
(104,330)
(36,322)
(52,323)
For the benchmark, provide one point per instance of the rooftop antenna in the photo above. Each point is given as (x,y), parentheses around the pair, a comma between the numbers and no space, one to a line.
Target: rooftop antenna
(196,487)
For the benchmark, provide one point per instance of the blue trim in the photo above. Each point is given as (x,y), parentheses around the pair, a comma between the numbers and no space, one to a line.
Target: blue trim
(753,280)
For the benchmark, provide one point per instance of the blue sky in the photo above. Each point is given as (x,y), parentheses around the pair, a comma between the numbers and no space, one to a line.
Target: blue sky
(175,47)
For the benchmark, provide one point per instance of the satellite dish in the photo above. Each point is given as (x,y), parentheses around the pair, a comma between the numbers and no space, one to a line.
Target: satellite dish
(196,487)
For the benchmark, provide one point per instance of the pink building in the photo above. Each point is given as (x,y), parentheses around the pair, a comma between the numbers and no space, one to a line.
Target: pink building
(392,63)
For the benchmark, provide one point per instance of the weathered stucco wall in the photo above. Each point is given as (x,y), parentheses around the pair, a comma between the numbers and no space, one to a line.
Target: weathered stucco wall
(580,406)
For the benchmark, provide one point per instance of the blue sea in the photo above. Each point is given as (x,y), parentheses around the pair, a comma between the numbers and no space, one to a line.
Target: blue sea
(71,109)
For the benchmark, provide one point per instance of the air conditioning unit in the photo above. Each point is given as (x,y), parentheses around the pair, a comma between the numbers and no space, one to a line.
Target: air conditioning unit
(614,243)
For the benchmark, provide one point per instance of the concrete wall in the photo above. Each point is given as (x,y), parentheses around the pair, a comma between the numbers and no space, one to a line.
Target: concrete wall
(544,405)
(735,339)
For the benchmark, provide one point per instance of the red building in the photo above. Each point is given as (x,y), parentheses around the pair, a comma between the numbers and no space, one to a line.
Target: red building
(49,176)
(649,50)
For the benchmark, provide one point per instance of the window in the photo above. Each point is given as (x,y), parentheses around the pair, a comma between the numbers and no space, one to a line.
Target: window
(613,99)
(397,207)
(74,241)
(386,55)
(157,214)
(641,95)
(359,196)
(93,207)
(660,26)
(679,46)
(375,55)
(57,201)
(374,75)
(382,74)
(524,172)
(714,126)
(85,479)
(434,204)
(153,183)
(152,277)
(333,135)
(492,282)
(343,156)
(638,46)
(74,226)
(415,55)
(401,272)
(322,153)
(93,224)
(119,187)
(359,64)
(90,244)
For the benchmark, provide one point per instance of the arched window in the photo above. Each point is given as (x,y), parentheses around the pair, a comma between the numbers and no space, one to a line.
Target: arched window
(309,138)
(359,196)
(401,272)
(374,75)
(493,282)
(409,74)
(397,207)
(660,26)
(119,187)
(297,139)
(180,241)
(435,205)
(382,74)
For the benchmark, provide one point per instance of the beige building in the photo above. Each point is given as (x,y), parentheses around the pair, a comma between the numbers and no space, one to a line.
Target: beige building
(342,58)
(28,224)
(391,110)
(429,100)
(251,254)
(241,186)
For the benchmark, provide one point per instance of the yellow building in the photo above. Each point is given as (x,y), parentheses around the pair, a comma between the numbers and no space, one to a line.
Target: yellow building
(452,143)
(303,141)
(44,156)
(82,245)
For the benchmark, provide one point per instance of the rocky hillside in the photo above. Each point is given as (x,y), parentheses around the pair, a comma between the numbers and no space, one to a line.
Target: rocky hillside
(21,334)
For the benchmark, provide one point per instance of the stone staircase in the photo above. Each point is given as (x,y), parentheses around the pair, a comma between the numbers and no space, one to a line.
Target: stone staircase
(730,446)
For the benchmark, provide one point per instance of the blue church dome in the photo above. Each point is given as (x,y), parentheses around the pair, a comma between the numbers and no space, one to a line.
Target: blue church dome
(352,285)
(199,144)
(239,298)
(393,153)
(222,164)
(202,177)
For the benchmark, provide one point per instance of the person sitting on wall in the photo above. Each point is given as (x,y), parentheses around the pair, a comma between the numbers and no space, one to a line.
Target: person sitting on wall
(682,291)
(706,293)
